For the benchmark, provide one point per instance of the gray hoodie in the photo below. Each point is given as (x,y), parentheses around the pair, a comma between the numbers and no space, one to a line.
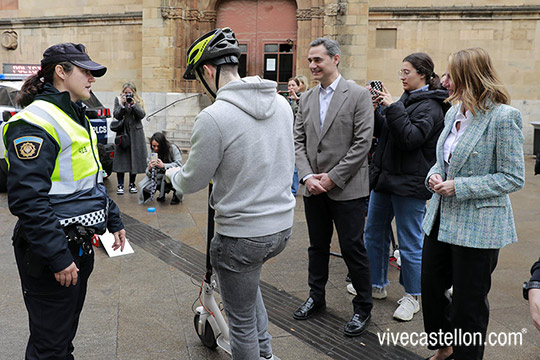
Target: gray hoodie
(244,143)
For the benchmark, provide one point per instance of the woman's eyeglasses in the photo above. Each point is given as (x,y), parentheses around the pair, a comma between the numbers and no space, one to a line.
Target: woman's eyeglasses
(404,73)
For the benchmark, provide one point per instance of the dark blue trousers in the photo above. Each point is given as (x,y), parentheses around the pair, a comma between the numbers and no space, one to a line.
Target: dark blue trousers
(53,310)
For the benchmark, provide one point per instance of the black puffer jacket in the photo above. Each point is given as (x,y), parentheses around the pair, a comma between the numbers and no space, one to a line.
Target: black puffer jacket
(408,131)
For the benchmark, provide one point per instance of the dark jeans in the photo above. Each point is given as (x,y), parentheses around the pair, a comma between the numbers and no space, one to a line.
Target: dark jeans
(120,178)
(469,271)
(53,310)
(322,213)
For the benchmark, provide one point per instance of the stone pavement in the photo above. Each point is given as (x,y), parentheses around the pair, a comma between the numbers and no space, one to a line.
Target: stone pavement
(140,307)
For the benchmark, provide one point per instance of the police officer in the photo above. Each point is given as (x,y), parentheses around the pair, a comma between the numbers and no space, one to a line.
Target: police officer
(55,188)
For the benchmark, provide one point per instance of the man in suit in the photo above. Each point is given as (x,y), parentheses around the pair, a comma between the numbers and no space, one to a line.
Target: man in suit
(333,131)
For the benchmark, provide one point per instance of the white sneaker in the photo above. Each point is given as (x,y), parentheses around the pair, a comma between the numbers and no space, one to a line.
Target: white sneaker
(272,357)
(408,306)
(378,293)
(120,190)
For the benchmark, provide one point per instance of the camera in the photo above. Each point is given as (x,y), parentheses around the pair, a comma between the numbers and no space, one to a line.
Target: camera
(129,98)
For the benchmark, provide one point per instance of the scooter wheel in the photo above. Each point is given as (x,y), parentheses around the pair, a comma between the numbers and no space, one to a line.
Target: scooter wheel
(208,339)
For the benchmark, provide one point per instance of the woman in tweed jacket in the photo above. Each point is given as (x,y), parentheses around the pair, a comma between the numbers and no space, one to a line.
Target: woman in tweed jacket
(469,218)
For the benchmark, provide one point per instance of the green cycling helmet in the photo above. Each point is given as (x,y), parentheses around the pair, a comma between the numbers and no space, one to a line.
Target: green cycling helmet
(218,47)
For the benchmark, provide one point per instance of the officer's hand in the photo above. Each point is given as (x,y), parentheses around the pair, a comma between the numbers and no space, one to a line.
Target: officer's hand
(119,240)
(68,276)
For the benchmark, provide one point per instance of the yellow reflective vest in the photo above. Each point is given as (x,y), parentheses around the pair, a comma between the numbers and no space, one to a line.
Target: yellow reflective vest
(77,169)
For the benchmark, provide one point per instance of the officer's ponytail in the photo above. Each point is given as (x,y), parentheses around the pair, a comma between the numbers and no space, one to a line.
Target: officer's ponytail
(34,84)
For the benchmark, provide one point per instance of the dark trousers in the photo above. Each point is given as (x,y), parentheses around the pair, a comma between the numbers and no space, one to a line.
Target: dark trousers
(120,178)
(469,271)
(322,213)
(53,310)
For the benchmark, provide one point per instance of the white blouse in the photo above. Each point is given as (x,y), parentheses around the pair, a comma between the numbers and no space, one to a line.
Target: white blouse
(453,137)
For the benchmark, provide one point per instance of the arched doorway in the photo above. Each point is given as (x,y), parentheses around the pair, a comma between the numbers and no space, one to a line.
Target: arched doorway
(266,31)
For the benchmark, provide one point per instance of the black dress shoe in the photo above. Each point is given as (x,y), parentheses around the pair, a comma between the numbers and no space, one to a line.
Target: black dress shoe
(357,325)
(307,309)
(161,198)
(175,199)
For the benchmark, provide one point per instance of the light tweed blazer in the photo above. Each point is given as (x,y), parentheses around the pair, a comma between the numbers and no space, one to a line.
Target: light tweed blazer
(487,164)
(341,147)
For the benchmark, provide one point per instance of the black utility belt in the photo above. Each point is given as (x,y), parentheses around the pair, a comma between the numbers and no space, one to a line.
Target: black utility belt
(79,238)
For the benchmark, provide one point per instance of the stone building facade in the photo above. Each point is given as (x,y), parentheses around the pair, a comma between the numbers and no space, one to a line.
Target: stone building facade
(145,41)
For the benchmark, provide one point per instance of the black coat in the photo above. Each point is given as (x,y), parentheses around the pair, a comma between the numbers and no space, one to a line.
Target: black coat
(407,133)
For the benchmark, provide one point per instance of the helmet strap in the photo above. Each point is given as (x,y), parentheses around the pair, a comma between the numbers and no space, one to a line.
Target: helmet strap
(218,71)
(205,84)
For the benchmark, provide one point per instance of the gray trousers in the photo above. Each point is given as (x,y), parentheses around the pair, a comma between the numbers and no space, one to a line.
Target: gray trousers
(238,264)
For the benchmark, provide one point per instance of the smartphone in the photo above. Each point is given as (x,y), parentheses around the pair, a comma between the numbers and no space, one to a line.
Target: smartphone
(375,85)
(153,156)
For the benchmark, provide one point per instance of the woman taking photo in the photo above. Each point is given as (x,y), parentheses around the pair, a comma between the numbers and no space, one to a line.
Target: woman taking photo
(407,130)
(163,156)
(129,109)
(469,218)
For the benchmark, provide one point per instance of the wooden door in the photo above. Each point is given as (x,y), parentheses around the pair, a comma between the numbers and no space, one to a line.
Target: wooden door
(266,31)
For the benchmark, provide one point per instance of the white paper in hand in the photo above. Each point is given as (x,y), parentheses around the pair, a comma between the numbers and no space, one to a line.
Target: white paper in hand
(107,240)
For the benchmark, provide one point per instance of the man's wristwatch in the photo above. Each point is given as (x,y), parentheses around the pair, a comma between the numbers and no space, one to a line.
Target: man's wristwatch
(529,285)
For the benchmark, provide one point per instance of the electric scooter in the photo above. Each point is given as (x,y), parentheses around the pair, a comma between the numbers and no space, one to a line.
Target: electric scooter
(209,322)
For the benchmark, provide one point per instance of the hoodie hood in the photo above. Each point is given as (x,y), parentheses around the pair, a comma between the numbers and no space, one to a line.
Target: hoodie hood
(253,95)
(439,95)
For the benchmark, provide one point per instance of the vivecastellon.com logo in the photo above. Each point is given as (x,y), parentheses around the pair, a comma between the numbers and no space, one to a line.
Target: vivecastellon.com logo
(455,338)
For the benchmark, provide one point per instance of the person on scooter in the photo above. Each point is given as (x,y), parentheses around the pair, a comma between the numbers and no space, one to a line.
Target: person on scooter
(243,142)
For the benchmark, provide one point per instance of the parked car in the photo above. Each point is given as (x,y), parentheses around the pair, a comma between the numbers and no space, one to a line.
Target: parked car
(99,116)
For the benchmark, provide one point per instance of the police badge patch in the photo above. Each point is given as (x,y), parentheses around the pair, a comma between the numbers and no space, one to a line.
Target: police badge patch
(27,147)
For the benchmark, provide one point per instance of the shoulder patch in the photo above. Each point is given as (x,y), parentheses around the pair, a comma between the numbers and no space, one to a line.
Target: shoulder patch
(28,147)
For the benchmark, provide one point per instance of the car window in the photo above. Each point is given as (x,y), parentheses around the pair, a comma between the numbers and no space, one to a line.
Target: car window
(8,95)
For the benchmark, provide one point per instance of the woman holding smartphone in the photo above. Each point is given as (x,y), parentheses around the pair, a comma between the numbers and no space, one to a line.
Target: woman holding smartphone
(407,131)
(163,156)
(129,108)
(469,218)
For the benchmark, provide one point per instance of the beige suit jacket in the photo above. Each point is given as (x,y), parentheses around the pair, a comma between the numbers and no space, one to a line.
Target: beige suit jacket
(341,147)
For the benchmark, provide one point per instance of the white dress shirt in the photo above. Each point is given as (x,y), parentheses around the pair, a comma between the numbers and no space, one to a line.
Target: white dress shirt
(453,137)
(325,96)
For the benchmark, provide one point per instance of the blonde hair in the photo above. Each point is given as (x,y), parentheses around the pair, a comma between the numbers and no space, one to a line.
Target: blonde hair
(137,98)
(476,84)
(303,80)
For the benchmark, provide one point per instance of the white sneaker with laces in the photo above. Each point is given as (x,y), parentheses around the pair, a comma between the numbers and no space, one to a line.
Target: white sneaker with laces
(120,190)
(351,290)
(408,306)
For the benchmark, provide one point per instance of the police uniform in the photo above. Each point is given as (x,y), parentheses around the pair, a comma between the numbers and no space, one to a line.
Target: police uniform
(54,184)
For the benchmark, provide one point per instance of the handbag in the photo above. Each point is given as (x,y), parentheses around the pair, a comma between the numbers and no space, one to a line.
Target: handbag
(117,126)
(122,141)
